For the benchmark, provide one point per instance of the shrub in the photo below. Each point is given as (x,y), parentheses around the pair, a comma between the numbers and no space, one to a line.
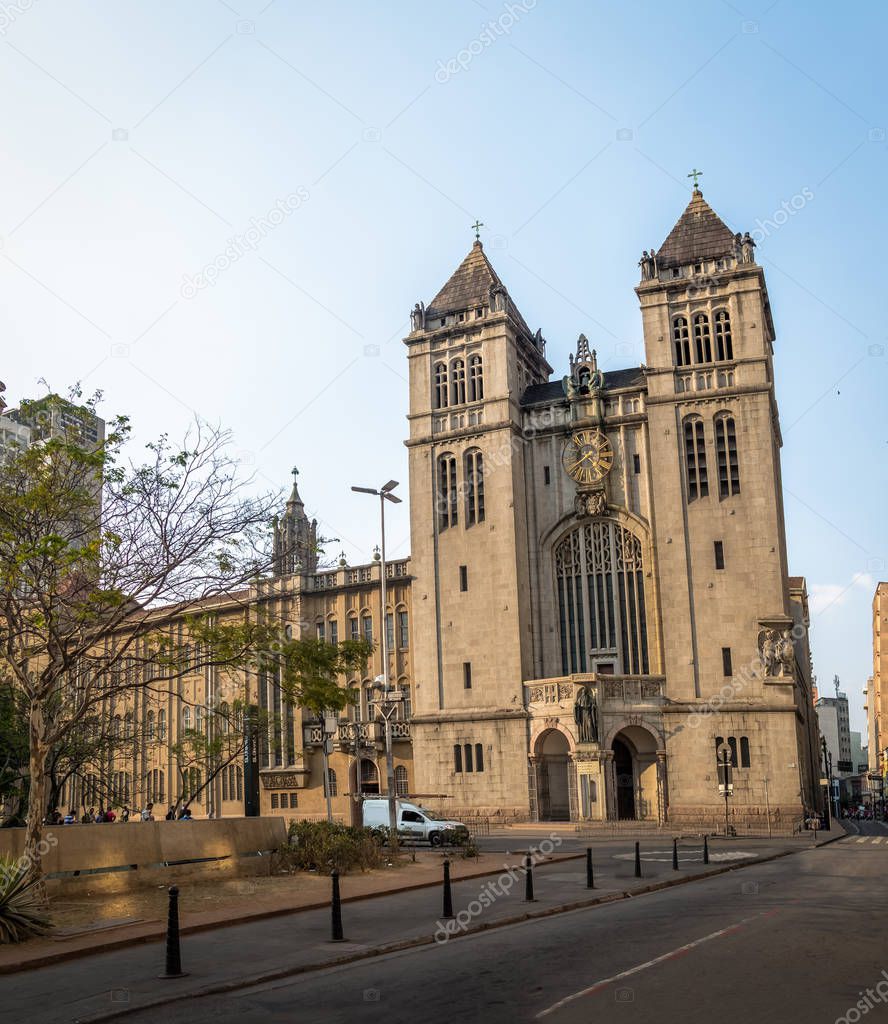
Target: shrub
(21,916)
(324,845)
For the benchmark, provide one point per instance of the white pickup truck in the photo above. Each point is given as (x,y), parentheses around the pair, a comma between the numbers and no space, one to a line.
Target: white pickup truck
(414,822)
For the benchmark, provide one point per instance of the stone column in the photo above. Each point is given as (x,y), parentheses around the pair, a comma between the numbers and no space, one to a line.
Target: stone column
(532,786)
(573,799)
(609,780)
(662,787)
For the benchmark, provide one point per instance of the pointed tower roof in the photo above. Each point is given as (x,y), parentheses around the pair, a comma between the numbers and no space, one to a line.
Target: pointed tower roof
(295,498)
(699,234)
(470,285)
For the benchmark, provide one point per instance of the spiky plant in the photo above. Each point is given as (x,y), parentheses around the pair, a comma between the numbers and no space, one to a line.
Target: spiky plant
(21,912)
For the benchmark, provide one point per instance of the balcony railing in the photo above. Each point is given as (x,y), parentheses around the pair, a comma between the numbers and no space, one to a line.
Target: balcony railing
(366,732)
(608,689)
(332,578)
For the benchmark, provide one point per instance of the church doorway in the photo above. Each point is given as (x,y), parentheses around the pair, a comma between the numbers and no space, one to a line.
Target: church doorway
(625,773)
(553,793)
(635,775)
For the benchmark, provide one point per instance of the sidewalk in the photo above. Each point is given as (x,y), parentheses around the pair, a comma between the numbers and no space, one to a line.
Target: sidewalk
(226,958)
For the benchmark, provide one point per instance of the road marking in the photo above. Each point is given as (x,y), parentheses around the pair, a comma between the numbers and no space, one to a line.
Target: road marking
(862,839)
(673,955)
(877,839)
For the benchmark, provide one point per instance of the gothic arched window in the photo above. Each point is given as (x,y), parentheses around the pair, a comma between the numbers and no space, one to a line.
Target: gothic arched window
(599,575)
(447,492)
(695,458)
(441,386)
(401,784)
(726,455)
(702,339)
(473,474)
(161,725)
(186,718)
(724,347)
(680,341)
(476,379)
(457,382)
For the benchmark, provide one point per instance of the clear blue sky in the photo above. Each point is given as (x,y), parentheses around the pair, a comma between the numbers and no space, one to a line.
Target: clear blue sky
(139,139)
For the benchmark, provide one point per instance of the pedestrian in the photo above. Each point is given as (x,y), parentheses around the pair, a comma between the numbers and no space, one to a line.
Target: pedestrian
(70,817)
(171,813)
(110,816)
(148,812)
(89,817)
(186,814)
(124,814)
(100,816)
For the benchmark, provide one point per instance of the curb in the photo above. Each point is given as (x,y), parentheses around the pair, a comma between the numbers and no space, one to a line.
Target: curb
(249,918)
(220,988)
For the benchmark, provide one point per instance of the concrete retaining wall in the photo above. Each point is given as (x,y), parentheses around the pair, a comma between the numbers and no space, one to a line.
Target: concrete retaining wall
(115,857)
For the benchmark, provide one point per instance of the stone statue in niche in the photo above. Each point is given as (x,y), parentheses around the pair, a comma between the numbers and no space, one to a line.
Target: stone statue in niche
(586,716)
(786,653)
(769,643)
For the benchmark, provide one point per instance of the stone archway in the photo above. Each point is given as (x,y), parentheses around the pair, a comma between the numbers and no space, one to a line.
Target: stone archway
(635,775)
(552,756)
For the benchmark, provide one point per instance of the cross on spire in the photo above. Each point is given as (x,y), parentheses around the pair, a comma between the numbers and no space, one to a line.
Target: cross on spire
(695,174)
(477,228)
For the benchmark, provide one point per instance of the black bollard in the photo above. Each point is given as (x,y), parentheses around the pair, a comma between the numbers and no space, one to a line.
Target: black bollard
(173,951)
(590,878)
(638,860)
(336,909)
(448,896)
(528,880)
(674,854)
(705,849)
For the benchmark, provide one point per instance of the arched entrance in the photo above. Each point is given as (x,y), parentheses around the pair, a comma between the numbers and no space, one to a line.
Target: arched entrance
(369,778)
(636,794)
(553,793)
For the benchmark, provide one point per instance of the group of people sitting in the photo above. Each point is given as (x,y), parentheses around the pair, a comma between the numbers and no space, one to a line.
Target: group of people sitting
(107,815)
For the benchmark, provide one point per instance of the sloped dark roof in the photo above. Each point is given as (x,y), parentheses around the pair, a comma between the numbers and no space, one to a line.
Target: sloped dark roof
(699,234)
(470,285)
(553,390)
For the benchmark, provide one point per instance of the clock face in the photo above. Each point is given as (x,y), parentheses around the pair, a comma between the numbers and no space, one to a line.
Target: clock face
(588,456)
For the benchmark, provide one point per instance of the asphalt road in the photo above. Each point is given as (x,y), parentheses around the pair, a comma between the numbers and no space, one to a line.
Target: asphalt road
(795,940)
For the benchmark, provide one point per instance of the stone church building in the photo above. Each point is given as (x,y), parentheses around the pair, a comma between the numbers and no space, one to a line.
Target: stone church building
(597,600)
(600,590)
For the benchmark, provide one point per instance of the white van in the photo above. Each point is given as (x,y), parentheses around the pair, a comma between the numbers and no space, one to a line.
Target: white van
(414,822)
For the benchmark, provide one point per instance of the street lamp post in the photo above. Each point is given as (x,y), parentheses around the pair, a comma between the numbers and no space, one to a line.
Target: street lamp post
(384,494)
(329,729)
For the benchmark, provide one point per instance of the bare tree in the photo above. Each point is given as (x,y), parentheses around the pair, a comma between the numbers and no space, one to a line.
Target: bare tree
(102,559)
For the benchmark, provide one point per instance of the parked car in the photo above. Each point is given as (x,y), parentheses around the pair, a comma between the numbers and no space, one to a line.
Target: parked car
(414,822)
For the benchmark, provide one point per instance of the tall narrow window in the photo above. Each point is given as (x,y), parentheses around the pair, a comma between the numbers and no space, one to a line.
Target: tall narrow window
(695,459)
(467,756)
(702,339)
(463,578)
(389,632)
(727,666)
(744,751)
(332,786)
(724,347)
(322,634)
(457,382)
(403,631)
(732,743)
(447,492)
(719,554)
(161,725)
(467,675)
(367,624)
(333,631)
(354,630)
(401,785)
(479,757)
(681,342)
(476,379)
(457,757)
(441,386)
(726,455)
(150,731)
(474,478)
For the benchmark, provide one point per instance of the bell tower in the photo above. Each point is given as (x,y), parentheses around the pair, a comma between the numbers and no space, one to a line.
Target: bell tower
(295,537)
(471,356)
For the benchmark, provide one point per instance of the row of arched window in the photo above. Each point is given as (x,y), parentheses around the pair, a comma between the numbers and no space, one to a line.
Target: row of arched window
(451,491)
(739,755)
(232,782)
(463,760)
(452,386)
(727,462)
(702,350)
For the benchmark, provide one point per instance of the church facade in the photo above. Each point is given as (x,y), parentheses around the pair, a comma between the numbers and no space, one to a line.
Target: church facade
(601,596)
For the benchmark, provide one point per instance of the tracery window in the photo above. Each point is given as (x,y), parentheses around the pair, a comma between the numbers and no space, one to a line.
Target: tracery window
(599,576)
(726,456)
(441,386)
(474,478)
(457,382)
(681,342)
(724,348)
(447,492)
(695,459)
(476,379)
(702,339)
